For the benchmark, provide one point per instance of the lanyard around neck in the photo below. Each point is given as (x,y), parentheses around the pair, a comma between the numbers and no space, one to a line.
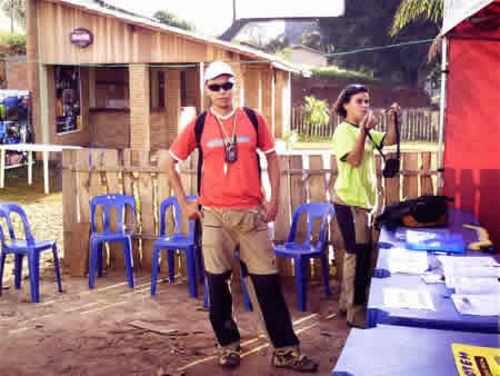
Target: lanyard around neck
(223,129)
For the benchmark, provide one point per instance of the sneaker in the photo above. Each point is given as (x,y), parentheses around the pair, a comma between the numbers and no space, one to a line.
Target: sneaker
(229,357)
(292,359)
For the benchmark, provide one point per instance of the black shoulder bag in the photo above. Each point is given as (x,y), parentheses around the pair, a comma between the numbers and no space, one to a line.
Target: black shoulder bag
(390,166)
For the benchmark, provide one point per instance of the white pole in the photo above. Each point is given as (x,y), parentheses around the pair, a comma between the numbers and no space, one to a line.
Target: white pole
(442,111)
(46,171)
(30,167)
(202,87)
(2,168)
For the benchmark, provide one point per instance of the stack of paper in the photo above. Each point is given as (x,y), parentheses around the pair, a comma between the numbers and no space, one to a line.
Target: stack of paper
(402,261)
(404,298)
(480,305)
(476,284)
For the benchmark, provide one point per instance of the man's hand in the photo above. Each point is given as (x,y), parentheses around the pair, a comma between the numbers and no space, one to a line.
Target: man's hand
(270,210)
(190,209)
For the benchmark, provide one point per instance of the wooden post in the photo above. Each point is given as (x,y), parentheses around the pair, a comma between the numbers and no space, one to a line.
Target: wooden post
(267,93)
(410,183)
(141,158)
(32,55)
(239,88)
(130,188)
(392,187)
(426,181)
(317,190)
(173,98)
(278,104)
(140,127)
(283,219)
(336,237)
(110,165)
(252,84)
(164,191)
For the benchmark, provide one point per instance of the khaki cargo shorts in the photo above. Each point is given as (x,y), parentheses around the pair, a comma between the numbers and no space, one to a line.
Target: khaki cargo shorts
(225,229)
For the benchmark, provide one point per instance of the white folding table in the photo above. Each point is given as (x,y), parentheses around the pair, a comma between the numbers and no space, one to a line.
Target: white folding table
(45,149)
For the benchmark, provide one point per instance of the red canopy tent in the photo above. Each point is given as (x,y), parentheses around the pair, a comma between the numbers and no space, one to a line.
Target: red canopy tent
(471,158)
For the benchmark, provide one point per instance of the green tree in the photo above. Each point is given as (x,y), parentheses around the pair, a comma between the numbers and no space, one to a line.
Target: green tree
(169,18)
(311,40)
(367,24)
(410,11)
(16,10)
(279,43)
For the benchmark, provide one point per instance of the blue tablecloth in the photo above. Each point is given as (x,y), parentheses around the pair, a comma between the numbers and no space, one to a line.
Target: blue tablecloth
(446,316)
(394,350)
(396,238)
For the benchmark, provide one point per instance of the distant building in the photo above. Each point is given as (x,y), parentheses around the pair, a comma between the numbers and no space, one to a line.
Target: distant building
(304,56)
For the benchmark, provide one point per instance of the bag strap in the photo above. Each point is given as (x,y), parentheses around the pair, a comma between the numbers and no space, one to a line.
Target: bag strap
(198,130)
(253,118)
(398,142)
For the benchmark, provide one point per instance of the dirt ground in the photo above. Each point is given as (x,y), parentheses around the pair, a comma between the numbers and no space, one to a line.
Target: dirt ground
(92,332)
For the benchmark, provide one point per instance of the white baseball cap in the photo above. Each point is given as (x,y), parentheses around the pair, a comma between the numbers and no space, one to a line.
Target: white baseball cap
(216,69)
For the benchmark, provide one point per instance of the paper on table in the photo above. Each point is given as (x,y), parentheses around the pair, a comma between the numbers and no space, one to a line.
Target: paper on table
(403,261)
(432,278)
(478,305)
(451,263)
(404,298)
(475,271)
(477,286)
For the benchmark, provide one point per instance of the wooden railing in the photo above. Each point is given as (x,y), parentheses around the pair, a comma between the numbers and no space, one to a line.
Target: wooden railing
(304,177)
(416,125)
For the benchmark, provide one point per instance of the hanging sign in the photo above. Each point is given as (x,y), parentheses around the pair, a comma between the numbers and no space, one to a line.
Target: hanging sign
(81,37)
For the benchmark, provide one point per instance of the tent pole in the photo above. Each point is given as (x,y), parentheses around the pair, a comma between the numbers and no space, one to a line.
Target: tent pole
(442,112)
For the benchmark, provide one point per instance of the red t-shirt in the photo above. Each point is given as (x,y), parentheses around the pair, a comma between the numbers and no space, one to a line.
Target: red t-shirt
(240,187)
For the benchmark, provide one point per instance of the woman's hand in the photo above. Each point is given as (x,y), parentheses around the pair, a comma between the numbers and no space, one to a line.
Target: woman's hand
(369,120)
(394,110)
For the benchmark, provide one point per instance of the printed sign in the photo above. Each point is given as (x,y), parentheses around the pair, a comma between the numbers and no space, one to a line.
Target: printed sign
(81,37)
(476,360)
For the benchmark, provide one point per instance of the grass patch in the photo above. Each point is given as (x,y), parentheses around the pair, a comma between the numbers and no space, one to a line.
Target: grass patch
(334,72)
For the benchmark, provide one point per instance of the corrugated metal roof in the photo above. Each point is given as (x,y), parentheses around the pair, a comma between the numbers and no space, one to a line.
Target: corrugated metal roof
(115,12)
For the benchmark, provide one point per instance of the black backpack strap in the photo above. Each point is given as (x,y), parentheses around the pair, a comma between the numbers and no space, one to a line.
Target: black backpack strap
(198,130)
(253,118)
(375,144)
(398,141)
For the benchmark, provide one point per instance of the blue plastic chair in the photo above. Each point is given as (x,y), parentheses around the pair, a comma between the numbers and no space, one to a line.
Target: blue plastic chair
(29,247)
(301,253)
(174,242)
(123,235)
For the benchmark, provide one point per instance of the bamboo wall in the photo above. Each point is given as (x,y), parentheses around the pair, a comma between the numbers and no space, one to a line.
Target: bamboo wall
(304,177)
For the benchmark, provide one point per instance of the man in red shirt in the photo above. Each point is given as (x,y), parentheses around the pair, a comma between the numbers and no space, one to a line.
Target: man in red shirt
(235,214)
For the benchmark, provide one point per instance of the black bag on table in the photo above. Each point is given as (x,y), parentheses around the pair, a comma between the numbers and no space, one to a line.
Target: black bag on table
(424,211)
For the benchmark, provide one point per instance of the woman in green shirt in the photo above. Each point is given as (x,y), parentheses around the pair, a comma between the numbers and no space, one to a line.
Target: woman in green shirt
(354,195)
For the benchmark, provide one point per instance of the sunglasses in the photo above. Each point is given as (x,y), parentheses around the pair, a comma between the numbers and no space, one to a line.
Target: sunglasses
(225,86)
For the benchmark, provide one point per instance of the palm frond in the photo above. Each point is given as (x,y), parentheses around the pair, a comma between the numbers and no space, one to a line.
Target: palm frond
(416,10)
